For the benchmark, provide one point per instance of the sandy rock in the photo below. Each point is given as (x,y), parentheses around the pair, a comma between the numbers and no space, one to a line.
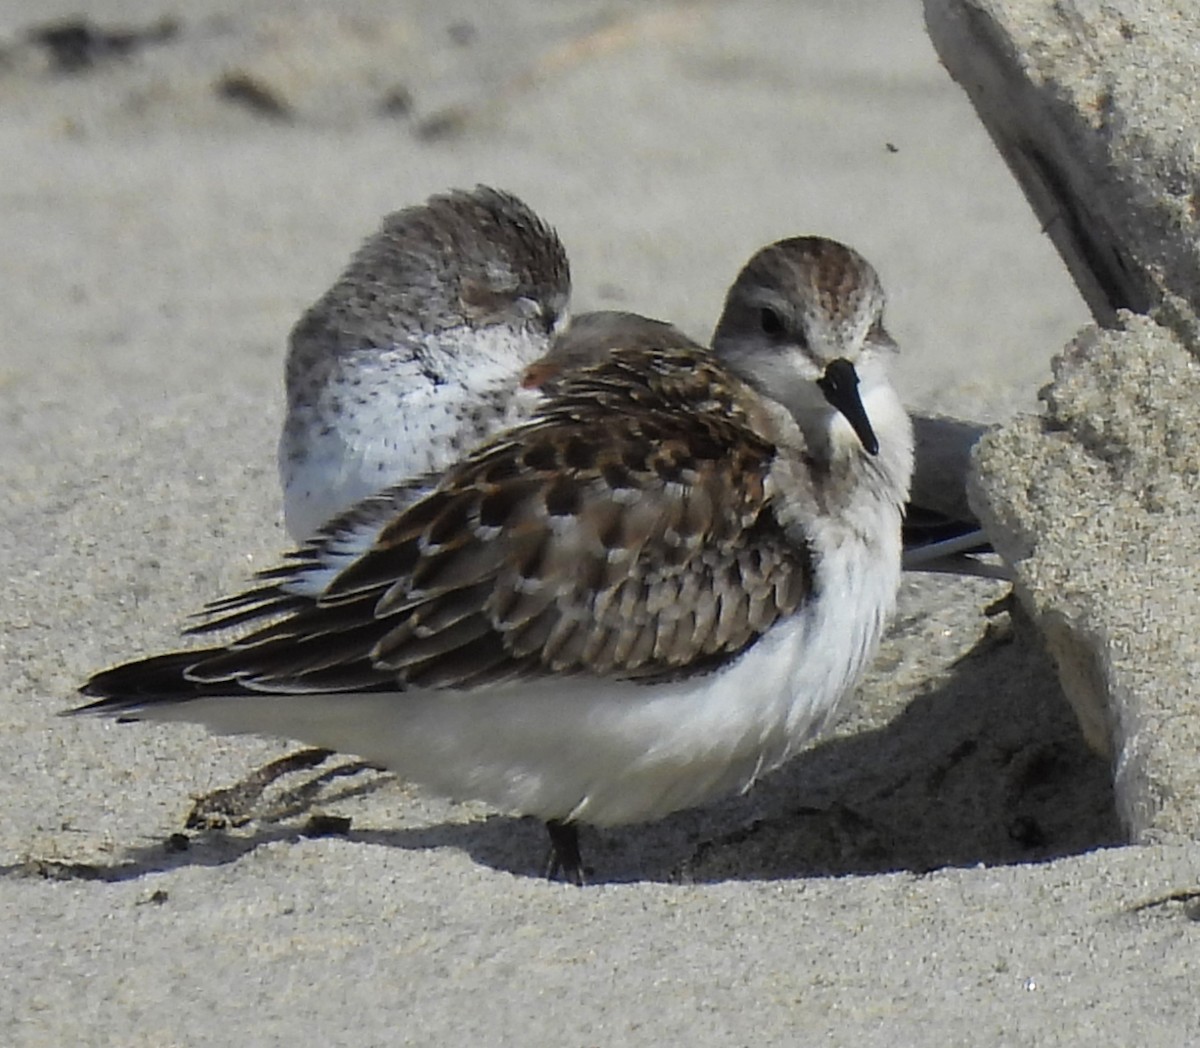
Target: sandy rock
(1093,106)
(1096,507)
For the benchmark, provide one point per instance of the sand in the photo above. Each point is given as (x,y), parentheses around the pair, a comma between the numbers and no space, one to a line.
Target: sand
(947,868)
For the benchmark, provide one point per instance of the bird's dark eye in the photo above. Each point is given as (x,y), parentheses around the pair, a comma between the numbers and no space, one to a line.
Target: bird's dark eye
(771,322)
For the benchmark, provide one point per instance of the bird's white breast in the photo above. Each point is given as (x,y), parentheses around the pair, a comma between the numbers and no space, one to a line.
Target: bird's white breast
(380,418)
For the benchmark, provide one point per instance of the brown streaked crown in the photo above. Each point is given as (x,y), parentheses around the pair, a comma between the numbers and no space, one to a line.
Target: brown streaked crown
(817,292)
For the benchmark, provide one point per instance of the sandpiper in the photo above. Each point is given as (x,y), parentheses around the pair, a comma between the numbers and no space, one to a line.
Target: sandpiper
(411,358)
(647,595)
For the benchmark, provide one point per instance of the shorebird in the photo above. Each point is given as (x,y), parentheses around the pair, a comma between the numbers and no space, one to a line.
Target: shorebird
(412,357)
(429,340)
(649,594)
(941,534)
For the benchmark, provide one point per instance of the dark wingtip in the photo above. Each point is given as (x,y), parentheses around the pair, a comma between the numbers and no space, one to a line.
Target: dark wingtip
(132,685)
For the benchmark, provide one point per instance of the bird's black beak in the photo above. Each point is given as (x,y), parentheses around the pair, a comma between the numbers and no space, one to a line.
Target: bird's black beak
(840,386)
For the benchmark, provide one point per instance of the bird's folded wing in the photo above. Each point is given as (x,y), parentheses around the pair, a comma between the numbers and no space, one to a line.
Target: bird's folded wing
(637,543)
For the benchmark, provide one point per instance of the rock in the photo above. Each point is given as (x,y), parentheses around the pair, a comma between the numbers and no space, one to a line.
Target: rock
(1096,506)
(1094,108)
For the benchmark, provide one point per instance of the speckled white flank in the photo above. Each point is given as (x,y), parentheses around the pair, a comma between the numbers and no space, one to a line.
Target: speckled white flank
(381,420)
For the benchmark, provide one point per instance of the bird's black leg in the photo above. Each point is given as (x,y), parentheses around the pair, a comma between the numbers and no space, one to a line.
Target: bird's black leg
(564,858)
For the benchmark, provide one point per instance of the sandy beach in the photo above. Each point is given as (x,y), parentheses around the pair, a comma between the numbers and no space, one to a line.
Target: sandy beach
(946,868)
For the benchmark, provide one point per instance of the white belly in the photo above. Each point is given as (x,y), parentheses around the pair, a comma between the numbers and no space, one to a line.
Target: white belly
(602,752)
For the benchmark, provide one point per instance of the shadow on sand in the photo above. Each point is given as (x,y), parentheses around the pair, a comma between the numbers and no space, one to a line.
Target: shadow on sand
(986,766)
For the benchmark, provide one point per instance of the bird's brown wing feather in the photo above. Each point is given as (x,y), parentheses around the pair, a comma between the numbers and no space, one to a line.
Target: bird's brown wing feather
(626,532)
